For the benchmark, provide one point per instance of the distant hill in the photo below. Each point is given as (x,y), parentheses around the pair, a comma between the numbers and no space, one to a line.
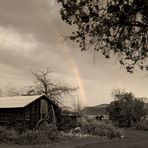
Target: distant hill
(95,110)
(99,109)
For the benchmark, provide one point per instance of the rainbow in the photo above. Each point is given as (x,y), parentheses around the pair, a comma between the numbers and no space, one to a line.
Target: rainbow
(81,92)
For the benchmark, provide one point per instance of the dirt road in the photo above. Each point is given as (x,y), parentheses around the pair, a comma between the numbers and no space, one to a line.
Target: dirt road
(135,144)
(134,139)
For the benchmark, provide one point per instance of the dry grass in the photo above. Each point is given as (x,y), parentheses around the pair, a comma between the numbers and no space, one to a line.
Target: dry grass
(134,139)
(143,125)
(101,129)
(48,134)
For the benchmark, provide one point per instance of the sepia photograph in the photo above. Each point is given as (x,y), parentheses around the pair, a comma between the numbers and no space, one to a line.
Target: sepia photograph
(73,73)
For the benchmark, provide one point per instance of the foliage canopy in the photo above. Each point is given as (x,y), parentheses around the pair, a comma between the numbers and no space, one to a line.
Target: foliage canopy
(117,27)
(126,108)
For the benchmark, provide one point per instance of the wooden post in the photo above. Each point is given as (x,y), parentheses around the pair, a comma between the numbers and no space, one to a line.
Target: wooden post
(54,116)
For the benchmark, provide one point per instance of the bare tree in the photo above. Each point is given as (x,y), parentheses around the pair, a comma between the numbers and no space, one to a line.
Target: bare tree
(44,85)
(56,92)
(12,90)
(77,106)
(29,90)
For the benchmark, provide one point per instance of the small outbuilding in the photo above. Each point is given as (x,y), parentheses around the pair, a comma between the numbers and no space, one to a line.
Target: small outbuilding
(24,112)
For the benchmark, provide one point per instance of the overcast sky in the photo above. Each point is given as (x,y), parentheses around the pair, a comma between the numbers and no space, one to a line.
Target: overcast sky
(30,35)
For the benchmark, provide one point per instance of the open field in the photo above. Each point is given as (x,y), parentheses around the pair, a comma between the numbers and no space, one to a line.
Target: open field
(134,139)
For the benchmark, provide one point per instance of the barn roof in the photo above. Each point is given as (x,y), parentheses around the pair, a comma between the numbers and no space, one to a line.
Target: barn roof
(17,101)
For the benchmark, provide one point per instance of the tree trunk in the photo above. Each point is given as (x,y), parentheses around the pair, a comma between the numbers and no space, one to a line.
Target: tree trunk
(54,116)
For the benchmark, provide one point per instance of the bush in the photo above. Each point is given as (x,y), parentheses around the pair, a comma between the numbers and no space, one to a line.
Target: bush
(46,134)
(90,119)
(107,130)
(67,123)
(7,136)
(100,129)
(143,125)
(29,137)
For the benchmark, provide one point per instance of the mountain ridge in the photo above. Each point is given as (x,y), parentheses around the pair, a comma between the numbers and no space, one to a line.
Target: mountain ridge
(95,110)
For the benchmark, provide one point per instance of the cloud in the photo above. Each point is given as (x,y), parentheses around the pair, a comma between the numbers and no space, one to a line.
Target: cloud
(29,39)
(38,17)
(12,40)
(17,49)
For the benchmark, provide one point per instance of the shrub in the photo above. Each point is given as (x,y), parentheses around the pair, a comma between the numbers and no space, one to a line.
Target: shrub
(100,129)
(89,119)
(67,123)
(7,136)
(143,125)
(107,130)
(29,137)
(45,134)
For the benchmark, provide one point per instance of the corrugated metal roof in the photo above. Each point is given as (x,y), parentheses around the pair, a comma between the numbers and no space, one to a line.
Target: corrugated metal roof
(17,101)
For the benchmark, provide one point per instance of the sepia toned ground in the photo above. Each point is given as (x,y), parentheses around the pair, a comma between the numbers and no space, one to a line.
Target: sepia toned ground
(134,139)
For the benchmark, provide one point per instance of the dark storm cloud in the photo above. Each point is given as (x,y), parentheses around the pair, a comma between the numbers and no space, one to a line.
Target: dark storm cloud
(30,38)
(22,50)
(33,16)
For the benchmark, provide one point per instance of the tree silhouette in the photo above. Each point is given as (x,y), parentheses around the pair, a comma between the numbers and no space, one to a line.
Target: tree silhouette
(43,85)
(118,27)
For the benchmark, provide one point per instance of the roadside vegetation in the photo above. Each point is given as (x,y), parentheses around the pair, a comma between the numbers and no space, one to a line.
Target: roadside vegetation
(44,135)
(48,134)
(142,125)
(100,129)
(126,111)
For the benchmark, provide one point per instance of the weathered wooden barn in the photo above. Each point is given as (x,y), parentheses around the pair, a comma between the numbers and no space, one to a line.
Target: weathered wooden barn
(23,112)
